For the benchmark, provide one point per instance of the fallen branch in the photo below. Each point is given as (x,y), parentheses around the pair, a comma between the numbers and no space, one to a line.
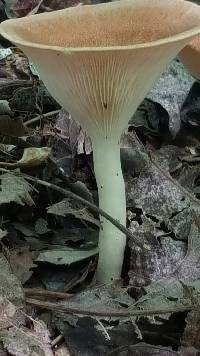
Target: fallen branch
(108,313)
(39,117)
(46,293)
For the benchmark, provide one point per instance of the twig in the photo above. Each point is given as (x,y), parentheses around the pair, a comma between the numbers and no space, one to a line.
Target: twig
(39,117)
(56,340)
(90,205)
(46,293)
(122,314)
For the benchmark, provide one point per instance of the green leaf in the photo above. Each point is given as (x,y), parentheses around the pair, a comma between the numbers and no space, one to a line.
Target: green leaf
(65,256)
(15,189)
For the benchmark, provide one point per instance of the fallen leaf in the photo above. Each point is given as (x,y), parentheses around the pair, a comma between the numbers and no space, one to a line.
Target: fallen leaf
(15,189)
(5,108)
(41,226)
(4,53)
(155,194)
(3,233)
(22,341)
(143,349)
(69,206)
(170,91)
(21,263)
(163,258)
(66,256)
(191,335)
(10,287)
(12,127)
(33,157)
(20,8)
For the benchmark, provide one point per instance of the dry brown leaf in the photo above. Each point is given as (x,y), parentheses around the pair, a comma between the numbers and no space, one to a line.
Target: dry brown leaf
(33,156)
(21,262)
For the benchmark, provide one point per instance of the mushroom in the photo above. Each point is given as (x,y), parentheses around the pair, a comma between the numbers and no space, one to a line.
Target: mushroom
(99,61)
(190,57)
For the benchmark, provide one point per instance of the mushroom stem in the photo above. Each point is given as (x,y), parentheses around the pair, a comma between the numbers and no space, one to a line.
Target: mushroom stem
(112,198)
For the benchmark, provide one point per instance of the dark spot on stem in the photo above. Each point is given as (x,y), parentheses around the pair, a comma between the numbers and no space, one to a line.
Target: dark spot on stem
(105,105)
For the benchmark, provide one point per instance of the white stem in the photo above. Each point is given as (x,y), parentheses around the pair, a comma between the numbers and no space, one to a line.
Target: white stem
(112,199)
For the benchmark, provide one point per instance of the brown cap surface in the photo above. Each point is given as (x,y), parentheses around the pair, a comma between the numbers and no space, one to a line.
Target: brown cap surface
(99,61)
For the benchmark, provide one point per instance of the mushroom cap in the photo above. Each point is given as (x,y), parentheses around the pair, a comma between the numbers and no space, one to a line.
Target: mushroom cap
(190,57)
(99,61)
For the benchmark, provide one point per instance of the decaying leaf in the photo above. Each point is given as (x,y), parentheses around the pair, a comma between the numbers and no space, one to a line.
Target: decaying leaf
(4,53)
(159,262)
(5,108)
(65,256)
(9,314)
(33,156)
(156,195)
(21,262)
(100,298)
(41,226)
(15,189)
(3,233)
(19,8)
(143,349)
(170,91)
(12,127)
(191,336)
(22,341)
(69,206)
(10,287)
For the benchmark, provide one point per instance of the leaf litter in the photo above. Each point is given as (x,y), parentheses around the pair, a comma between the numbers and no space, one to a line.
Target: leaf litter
(49,243)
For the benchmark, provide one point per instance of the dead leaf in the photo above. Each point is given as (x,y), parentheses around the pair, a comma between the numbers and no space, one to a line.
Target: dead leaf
(69,206)
(22,341)
(62,4)
(158,263)
(12,127)
(143,349)
(20,8)
(170,91)
(15,189)
(33,156)
(3,233)
(191,335)
(156,195)
(9,315)
(10,287)
(21,263)
(65,256)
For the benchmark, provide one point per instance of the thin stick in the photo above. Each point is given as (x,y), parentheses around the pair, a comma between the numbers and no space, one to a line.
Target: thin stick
(107,313)
(46,293)
(39,117)
(90,205)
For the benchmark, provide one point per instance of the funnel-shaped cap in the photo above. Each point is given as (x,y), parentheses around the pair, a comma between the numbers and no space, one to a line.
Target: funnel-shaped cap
(190,57)
(99,61)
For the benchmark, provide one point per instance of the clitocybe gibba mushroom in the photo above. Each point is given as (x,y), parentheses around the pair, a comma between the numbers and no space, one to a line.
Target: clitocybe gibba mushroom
(98,62)
(190,57)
